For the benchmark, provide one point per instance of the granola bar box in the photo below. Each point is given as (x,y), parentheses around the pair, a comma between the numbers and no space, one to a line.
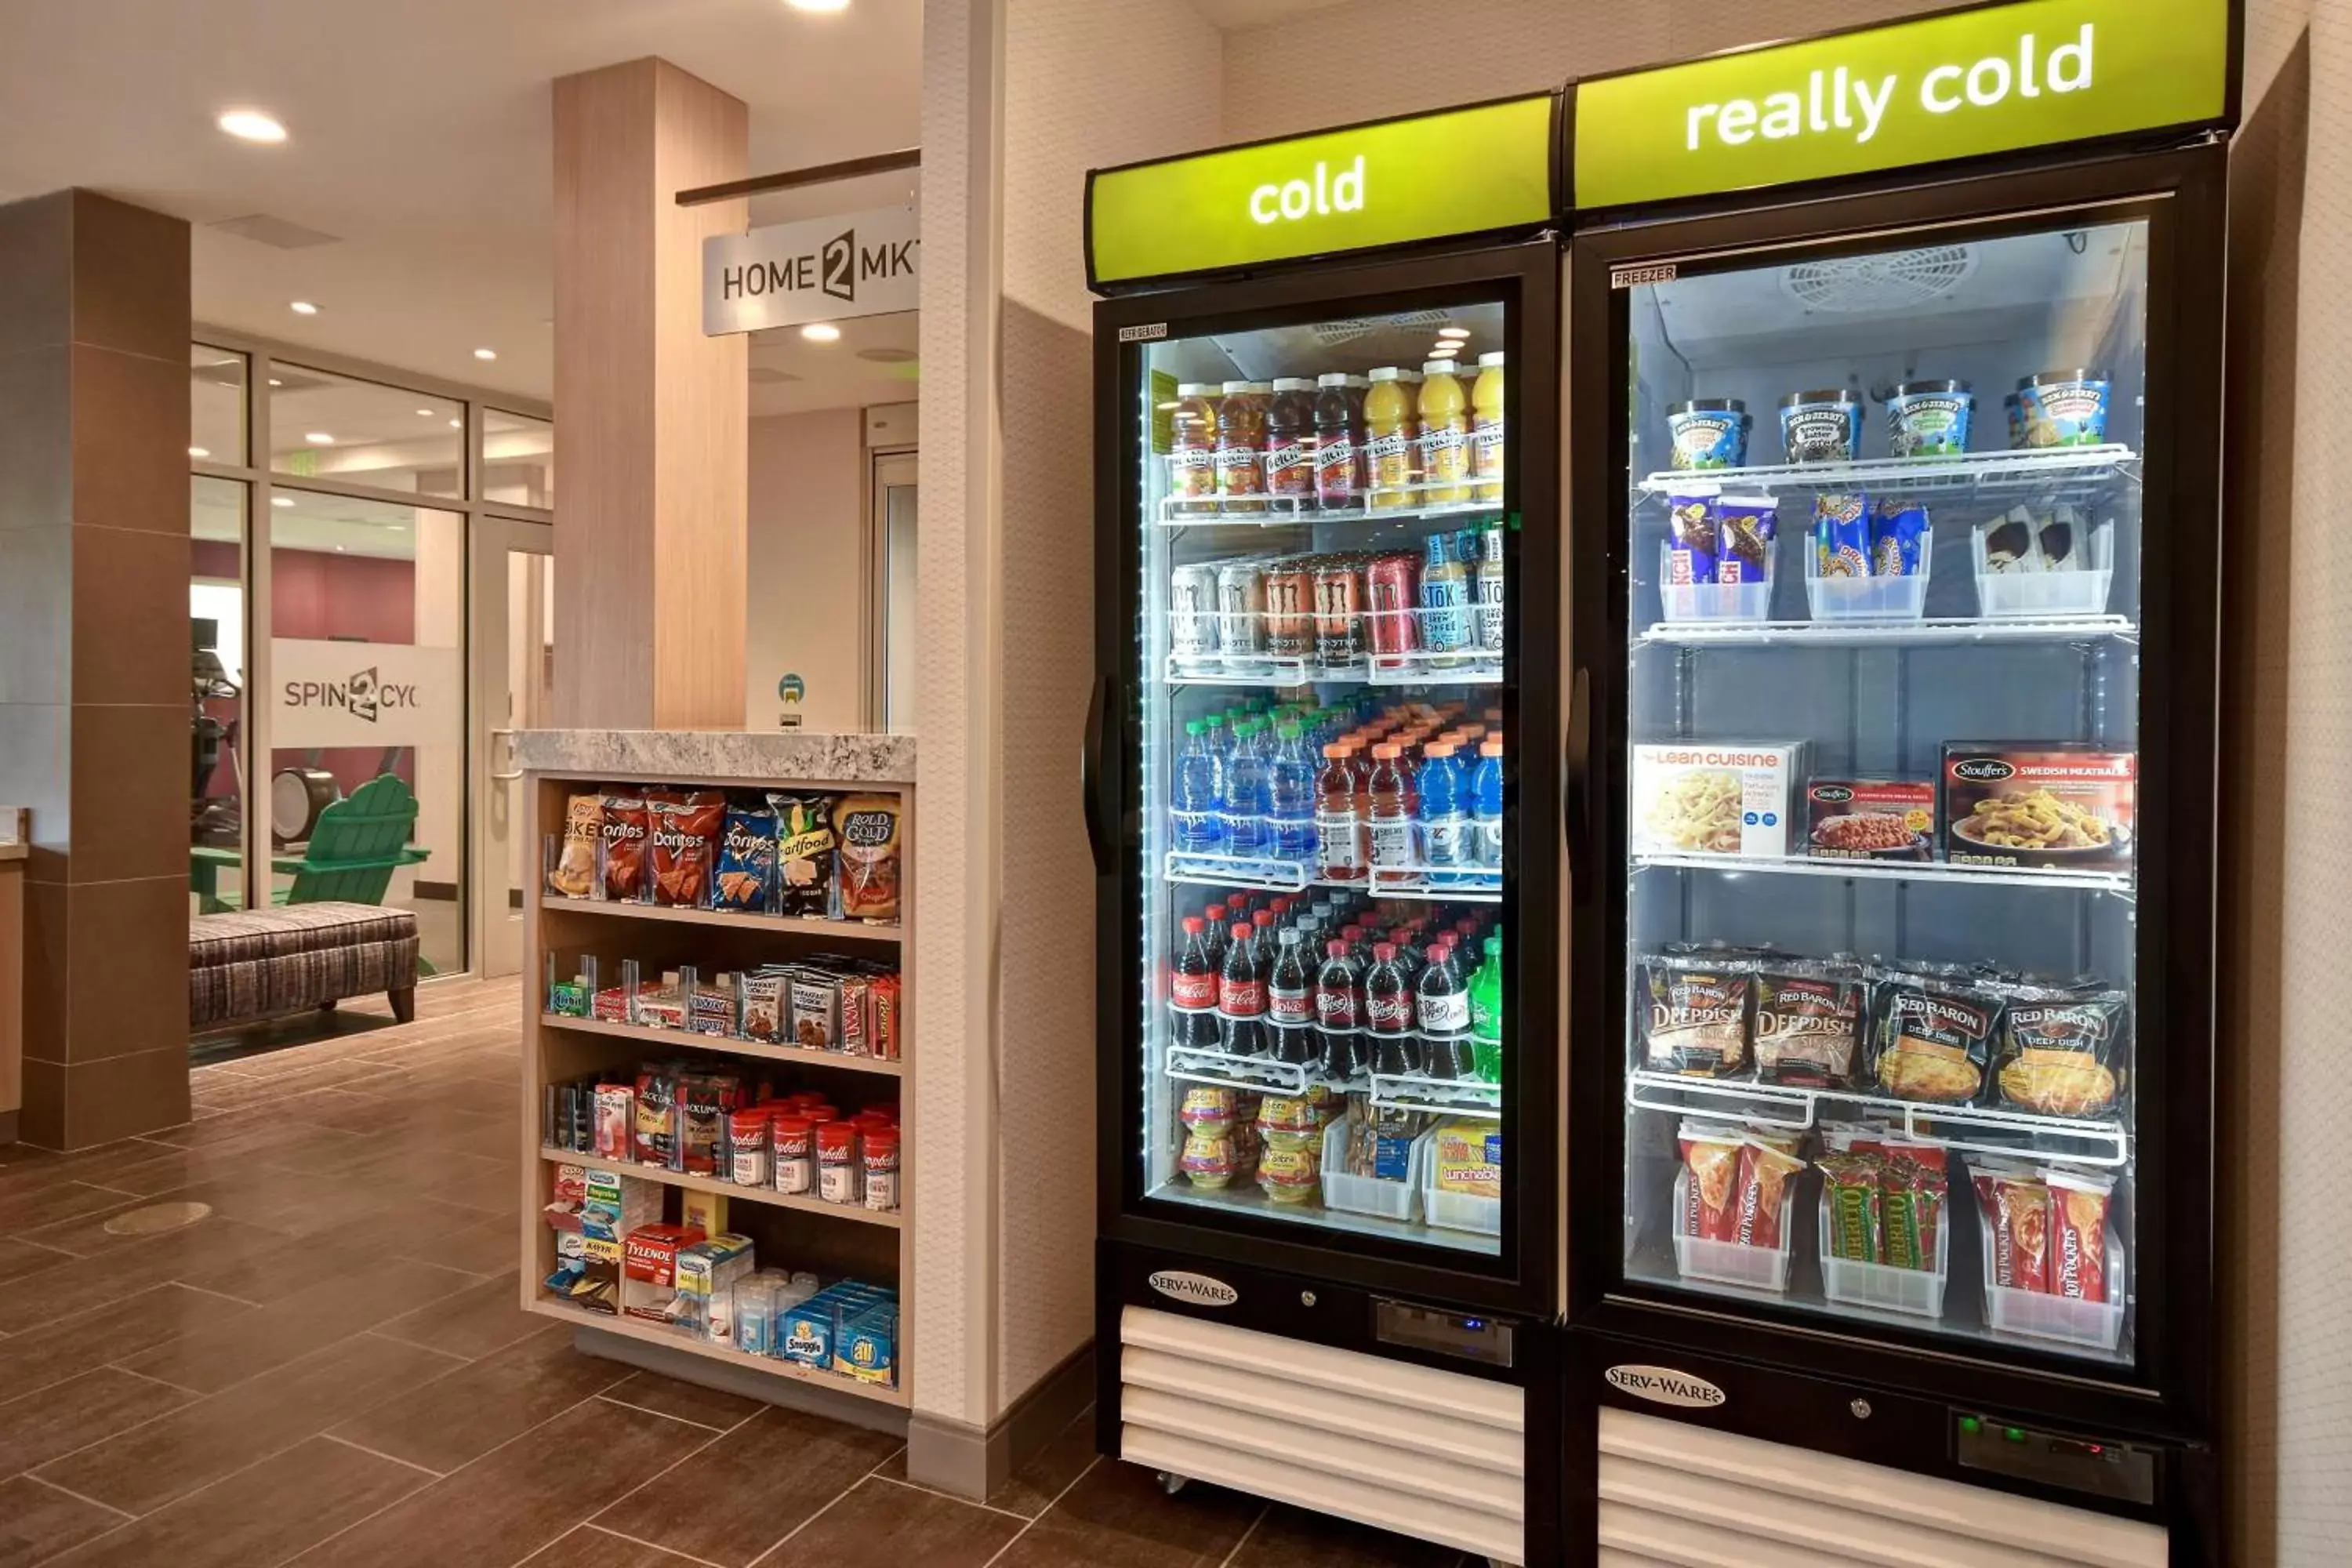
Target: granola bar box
(2047,806)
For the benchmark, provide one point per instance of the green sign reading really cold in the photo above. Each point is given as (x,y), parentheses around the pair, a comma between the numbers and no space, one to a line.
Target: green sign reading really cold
(1997,79)
(1458,171)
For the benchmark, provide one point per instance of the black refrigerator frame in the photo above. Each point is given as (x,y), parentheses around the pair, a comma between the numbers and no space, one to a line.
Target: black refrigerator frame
(1272,1261)
(1799,1378)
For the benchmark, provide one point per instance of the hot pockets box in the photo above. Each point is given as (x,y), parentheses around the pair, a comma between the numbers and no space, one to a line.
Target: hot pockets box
(1723,797)
(2065,808)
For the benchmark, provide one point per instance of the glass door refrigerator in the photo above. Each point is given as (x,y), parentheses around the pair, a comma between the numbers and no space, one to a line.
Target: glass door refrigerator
(1895,586)
(1323,768)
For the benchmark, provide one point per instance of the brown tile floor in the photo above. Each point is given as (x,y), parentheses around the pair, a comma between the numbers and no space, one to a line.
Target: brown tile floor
(330,1368)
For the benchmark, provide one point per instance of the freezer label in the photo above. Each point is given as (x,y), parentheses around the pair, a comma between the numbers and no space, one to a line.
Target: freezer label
(1664,1385)
(1197,1289)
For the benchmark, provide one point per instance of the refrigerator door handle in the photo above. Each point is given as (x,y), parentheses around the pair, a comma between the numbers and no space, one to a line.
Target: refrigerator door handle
(1576,808)
(1090,774)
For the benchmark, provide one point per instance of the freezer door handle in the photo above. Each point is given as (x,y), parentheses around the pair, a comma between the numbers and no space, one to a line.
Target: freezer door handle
(1090,774)
(1576,808)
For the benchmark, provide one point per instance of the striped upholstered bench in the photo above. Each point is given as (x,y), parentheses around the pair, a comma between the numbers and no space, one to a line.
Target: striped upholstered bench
(255,964)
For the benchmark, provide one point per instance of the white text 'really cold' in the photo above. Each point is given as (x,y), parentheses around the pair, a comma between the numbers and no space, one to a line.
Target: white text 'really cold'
(1836,100)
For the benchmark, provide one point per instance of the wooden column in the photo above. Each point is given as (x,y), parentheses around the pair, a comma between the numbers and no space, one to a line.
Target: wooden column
(93,661)
(651,522)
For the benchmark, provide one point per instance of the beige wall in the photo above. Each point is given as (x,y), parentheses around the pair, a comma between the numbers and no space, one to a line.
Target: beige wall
(806,586)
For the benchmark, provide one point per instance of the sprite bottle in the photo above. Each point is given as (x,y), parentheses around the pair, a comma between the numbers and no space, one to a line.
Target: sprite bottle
(1487,1013)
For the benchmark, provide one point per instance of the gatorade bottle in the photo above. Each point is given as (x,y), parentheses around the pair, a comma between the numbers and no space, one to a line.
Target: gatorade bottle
(1444,822)
(1391,818)
(1338,432)
(1487,1015)
(1290,445)
(1486,431)
(1445,411)
(1341,832)
(1389,432)
(1290,796)
(1196,800)
(1246,837)
(1486,807)
(1192,460)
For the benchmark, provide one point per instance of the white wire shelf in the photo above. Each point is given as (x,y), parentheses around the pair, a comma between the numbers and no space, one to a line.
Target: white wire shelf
(2119,883)
(1403,1091)
(1442,1096)
(1290,511)
(1911,634)
(1436,884)
(1973,1128)
(2053,471)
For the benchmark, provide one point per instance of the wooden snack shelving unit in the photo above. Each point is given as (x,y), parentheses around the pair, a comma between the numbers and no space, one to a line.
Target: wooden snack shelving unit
(788,1230)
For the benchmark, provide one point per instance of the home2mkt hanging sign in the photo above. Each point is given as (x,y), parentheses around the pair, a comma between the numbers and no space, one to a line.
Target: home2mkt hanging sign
(818,270)
(1985,80)
(1478,170)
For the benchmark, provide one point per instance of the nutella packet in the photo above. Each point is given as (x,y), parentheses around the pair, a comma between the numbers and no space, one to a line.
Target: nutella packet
(2060,1051)
(573,874)
(684,846)
(1808,1021)
(1934,1033)
(1695,1006)
(804,855)
(628,822)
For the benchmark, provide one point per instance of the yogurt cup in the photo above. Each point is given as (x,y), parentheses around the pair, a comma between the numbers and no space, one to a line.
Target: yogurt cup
(1821,427)
(1709,432)
(2061,409)
(1929,419)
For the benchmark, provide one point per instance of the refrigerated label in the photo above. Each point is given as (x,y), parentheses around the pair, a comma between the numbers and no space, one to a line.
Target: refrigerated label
(1152,333)
(1664,1385)
(1197,1289)
(1455,172)
(1982,79)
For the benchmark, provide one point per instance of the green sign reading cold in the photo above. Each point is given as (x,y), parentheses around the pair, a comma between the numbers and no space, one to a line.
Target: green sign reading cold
(1458,171)
(1997,79)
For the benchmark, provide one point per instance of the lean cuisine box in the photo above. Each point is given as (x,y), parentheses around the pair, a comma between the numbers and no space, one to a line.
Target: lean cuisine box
(1722,798)
(2067,807)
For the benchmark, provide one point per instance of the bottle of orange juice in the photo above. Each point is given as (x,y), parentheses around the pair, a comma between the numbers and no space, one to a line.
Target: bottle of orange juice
(1444,435)
(1388,440)
(1486,430)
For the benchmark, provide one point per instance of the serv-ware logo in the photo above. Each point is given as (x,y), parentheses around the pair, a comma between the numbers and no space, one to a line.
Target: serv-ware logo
(1664,1385)
(1200,1290)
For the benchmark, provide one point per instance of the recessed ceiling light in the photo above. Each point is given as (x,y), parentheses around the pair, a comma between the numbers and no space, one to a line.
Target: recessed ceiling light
(199,452)
(303,308)
(822,332)
(820,5)
(318,437)
(251,125)
(339,550)
(485,353)
(275,382)
(457,425)
(1453,332)
(281,501)
(424,413)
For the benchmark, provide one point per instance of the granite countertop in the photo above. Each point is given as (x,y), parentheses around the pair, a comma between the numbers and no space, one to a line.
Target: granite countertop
(782,756)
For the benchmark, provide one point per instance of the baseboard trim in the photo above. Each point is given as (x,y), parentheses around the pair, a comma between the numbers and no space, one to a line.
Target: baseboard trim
(975,1462)
(9,1119)
(790,1393)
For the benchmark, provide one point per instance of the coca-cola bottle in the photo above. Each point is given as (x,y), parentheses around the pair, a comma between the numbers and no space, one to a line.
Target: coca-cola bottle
(1192,991)
(1340,1011)
(1241,998)
(1388,1015)
(1290,1003)
(1443,1006)
(1261,937)
(1217,922)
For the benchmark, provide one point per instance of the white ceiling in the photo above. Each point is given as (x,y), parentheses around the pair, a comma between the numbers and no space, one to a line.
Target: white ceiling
(420,137)
(1234,16)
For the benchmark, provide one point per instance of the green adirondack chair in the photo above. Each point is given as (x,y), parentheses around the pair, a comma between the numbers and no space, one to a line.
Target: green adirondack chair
(356,845)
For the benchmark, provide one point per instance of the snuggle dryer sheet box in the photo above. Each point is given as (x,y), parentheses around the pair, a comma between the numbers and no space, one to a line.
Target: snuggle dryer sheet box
(1715,797)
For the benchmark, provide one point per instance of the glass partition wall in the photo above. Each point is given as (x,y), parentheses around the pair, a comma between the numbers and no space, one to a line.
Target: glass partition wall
(334,508)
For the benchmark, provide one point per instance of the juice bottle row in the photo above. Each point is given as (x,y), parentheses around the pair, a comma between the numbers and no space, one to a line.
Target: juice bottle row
(1340,985)
(1340,443)
(1417,787)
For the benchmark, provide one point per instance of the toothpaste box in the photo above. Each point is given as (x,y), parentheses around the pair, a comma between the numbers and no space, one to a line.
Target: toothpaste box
(1715,798)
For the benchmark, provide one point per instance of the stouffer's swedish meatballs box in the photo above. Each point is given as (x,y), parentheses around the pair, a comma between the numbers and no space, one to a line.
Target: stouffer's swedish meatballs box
(2061,807)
